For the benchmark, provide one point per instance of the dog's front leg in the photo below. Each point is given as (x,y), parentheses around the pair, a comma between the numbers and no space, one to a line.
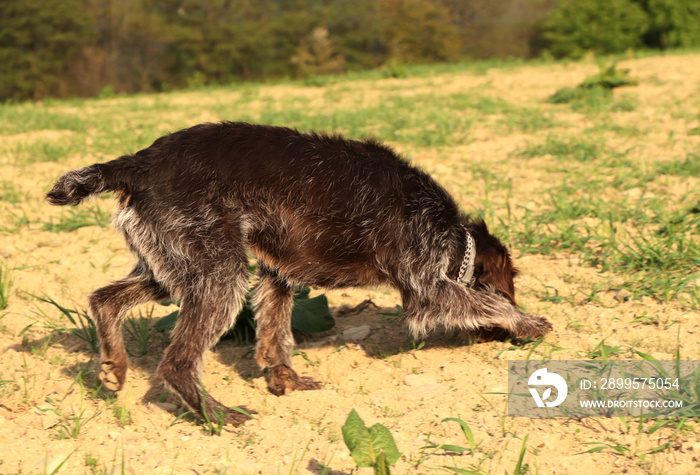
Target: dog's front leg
(273,301)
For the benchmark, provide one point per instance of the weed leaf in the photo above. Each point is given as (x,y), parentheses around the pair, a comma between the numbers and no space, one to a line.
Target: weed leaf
(358,440)
(383,443)
(373,447)
(465,430)
(312,315)
(448,447)
(519,466)
(167,322)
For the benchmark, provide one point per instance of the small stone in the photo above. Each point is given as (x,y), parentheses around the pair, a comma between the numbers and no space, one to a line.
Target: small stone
(418,379)
(49,420)
(166,406)
(428,390)
(114,435)
(623,295)
(355,333)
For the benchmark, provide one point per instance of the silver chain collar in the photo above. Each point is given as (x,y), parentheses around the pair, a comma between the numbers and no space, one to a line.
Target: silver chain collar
(466,270)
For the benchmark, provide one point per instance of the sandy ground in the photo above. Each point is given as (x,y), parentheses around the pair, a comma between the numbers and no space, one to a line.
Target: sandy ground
(385,376)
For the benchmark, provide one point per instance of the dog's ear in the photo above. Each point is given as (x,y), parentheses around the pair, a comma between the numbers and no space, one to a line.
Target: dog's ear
(493,263)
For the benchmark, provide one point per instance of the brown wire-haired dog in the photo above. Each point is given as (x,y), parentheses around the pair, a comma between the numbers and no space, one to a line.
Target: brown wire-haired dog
(316,210)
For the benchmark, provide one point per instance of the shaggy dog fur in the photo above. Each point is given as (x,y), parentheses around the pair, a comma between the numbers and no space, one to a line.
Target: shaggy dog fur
(316,210)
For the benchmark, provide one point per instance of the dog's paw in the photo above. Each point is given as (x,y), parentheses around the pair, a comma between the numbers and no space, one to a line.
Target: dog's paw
(112,375)
(534,327)
(305,383)
(283,380)
(236,418)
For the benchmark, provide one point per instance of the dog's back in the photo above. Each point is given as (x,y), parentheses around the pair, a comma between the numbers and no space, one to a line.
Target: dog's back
(322,209)
(277,165)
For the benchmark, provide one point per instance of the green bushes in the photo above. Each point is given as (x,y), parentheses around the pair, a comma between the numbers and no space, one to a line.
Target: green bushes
(614,26)
(601,26)
(673,23)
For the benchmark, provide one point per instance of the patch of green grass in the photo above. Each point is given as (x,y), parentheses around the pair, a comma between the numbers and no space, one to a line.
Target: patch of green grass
(528,120)
(76,218)
(580,149)
(29,117)
(644,237)
(42,150)
(688,167)
(426,120)
(9,193)
(16,219)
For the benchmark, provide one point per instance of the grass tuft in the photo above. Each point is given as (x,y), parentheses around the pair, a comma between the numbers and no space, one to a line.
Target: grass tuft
(5,285)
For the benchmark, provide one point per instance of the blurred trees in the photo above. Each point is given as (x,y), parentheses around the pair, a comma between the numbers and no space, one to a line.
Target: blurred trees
(81,47)
(672,22)
(39,39)
(613,26)
(418,31)
(601,26)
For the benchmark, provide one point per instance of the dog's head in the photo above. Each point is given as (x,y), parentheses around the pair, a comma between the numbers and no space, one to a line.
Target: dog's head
(493,267)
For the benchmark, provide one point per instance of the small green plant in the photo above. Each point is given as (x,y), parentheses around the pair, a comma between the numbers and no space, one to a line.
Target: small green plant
(122,412)
(70,425)
(468,435)
(604,352)
(83,326)
(92,463)
(5,285)
(519,467)
(140,330)
(57,467)
(123,415)
(596,88)
(610,443)
(370,447)
(216,425)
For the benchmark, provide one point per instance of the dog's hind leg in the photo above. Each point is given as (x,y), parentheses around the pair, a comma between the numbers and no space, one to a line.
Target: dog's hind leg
(207,311)
(273,301)
(108,306)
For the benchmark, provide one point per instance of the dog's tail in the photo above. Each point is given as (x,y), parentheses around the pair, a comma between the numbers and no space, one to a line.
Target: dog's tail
(76,185)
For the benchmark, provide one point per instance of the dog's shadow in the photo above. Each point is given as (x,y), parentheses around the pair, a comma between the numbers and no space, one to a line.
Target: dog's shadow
(379,332)
(382,334)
